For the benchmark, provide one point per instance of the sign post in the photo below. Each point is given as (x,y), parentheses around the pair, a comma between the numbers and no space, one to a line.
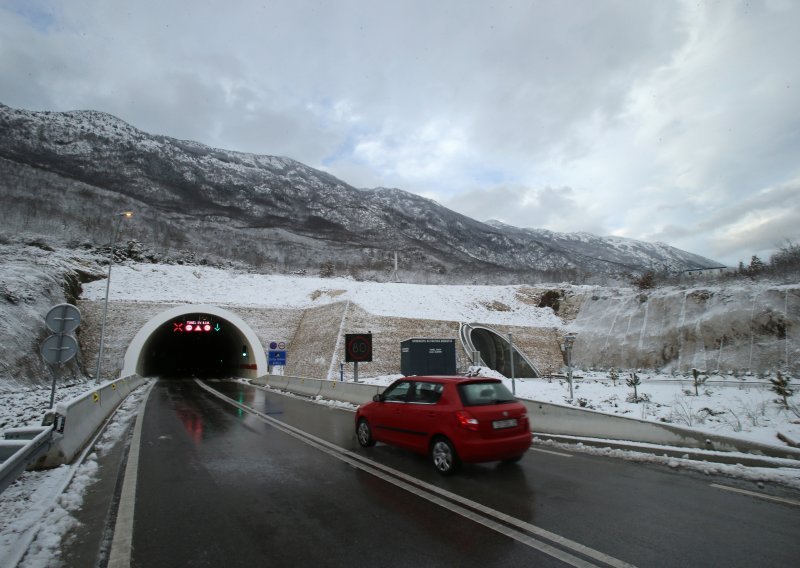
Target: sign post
(59,348)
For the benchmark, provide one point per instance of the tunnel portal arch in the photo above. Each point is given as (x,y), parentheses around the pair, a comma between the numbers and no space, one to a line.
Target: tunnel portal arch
(160,347)
(493,349)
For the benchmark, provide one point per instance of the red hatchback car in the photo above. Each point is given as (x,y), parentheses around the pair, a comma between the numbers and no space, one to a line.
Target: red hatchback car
(451,419)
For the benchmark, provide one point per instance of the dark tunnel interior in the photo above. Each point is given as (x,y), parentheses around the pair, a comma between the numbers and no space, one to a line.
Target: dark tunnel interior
(494,352)
(177,349)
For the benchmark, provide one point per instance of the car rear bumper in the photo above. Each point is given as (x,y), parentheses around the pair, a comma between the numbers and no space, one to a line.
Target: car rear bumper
(483,450)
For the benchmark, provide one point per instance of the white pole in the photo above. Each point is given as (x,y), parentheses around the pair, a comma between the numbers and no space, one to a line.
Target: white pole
(511,352)
(126,214)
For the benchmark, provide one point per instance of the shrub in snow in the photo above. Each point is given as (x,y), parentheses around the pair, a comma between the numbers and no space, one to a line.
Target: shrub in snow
(634,382)
(698,380)
(780,385)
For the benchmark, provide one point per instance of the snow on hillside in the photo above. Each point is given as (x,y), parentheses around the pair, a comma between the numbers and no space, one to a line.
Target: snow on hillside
(193,284)
(743,408)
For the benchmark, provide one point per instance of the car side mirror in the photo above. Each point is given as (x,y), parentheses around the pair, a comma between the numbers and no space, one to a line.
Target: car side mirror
(377,398)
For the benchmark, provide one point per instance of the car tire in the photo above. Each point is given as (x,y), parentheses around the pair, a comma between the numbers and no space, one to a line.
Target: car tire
(443,456)
(364,434)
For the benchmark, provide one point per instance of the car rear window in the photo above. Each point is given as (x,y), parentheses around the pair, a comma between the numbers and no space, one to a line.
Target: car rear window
(479,394)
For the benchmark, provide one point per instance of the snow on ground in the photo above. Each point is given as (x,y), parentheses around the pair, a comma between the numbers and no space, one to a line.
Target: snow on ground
(52,494)
(741,409)
(738,408)
(193,284)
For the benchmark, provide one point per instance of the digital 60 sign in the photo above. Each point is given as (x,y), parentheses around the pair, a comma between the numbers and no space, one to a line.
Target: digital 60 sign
(358,347)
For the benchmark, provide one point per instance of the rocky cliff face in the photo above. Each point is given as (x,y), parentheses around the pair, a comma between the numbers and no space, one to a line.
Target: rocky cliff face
(736,329)
(65,174)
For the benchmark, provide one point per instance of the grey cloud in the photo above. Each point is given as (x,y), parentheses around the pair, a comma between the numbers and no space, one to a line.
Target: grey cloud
(607,98)
(558,209)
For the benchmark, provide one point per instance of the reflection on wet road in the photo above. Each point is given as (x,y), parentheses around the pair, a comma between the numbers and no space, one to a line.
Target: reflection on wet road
(219,486)
(282,481)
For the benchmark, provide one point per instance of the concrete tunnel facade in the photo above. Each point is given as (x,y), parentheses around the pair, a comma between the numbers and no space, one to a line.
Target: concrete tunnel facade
(170,344)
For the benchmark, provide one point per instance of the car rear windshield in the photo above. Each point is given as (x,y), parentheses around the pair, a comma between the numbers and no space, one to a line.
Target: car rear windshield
(479,394)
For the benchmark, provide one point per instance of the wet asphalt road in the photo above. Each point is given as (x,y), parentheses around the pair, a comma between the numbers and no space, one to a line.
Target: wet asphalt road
(218,486)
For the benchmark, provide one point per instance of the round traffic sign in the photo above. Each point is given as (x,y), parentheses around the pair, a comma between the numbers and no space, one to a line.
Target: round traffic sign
(59,348)
(63,318)
(358,347)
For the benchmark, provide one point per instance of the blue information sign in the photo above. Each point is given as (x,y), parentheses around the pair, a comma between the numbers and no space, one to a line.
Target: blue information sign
(277,357)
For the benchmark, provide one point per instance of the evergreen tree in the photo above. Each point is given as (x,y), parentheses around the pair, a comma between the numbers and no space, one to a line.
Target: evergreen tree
(634,382)
(780,385)
(756,266)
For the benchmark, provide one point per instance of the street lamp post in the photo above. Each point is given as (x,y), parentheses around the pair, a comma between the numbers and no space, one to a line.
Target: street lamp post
(117,226)
(569,340)
(511,355)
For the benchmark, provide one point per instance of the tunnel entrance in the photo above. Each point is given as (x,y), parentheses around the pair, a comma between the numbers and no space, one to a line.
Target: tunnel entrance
(195,341)
(494,351)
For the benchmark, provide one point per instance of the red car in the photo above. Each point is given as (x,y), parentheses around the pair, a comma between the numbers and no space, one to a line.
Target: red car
(451,419)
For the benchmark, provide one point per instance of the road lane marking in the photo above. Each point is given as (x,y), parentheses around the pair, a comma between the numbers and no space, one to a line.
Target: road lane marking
(121,543)
(467,508)
(551,452)
(757,494)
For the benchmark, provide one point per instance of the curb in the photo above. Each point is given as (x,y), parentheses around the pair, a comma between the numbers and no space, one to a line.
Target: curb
(731,458)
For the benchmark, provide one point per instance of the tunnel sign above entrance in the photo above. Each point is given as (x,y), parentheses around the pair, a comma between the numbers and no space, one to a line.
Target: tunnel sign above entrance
(193,326)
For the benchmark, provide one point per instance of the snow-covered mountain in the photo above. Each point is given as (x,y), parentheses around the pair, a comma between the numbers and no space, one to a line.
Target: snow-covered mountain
(65,174)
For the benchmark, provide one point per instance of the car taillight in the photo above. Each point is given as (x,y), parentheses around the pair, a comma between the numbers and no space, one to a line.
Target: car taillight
(466,420)
(523,420)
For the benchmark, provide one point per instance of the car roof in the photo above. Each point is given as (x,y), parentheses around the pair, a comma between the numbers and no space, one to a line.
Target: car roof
(451,379)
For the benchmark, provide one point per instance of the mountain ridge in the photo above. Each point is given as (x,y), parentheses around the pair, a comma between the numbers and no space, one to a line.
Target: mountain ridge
(274,212)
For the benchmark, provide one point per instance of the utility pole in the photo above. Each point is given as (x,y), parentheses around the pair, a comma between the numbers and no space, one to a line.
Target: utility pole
(511,355)
(569,340)
(394,277)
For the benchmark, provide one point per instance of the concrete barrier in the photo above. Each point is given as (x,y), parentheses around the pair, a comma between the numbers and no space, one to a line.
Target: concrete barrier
(305,387)
(354,393)
(279,381)
(557,419)
(75,421)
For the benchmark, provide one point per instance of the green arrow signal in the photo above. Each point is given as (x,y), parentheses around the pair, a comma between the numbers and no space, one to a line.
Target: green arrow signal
(217,327)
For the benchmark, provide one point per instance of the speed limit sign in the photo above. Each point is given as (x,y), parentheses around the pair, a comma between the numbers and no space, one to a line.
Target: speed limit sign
(358,347)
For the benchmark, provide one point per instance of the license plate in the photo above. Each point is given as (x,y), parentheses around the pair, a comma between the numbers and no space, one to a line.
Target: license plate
(500,424)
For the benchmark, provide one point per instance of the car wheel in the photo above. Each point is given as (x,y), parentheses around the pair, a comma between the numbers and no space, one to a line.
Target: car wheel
(443,456)
(364,434)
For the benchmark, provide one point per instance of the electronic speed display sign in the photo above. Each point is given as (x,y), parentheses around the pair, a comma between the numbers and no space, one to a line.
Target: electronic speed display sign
(358,347)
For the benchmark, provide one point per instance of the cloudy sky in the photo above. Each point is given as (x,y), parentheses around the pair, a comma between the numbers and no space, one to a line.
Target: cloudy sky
(656,120)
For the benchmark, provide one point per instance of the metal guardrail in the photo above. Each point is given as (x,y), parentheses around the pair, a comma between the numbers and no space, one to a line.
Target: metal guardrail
(19,448)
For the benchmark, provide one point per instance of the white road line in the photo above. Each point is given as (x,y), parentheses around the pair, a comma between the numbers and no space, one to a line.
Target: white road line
(438,496)
(757,494)
(551,452)
(121,544)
